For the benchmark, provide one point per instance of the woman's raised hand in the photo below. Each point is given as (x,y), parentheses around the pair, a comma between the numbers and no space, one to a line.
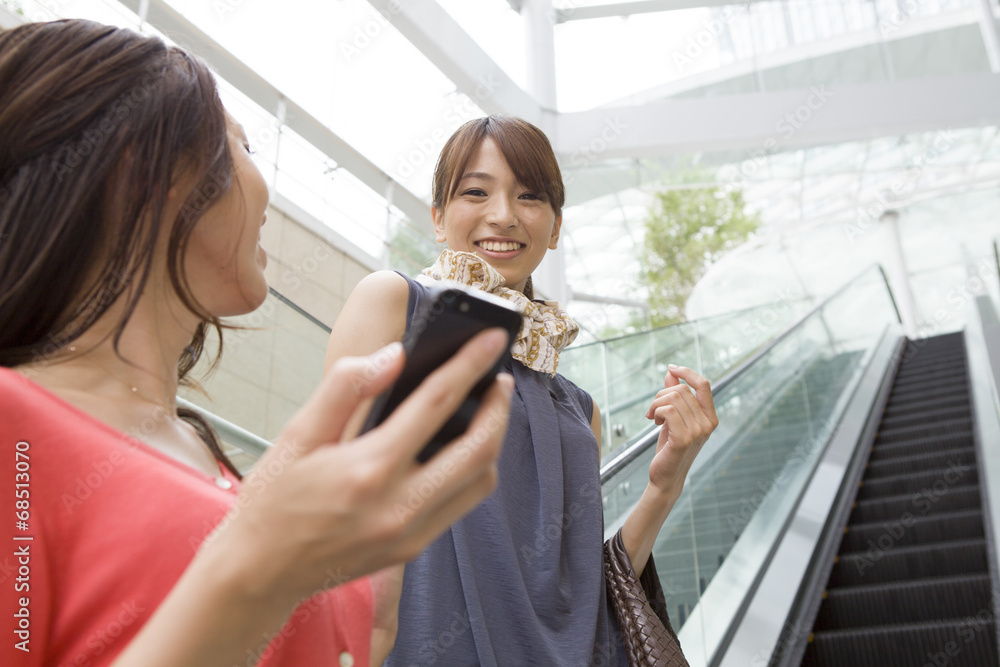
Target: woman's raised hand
(316,512)
(688,419)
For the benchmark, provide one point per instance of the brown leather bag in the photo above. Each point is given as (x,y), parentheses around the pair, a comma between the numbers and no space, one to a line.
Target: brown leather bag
(641,610)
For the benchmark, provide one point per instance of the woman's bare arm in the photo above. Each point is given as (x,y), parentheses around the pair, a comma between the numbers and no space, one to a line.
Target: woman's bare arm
(374,315)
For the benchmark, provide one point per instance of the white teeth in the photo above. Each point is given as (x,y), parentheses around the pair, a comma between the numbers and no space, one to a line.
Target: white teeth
(496,246)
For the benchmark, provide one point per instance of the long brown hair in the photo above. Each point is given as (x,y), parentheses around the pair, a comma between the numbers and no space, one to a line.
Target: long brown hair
(95,121)
(525,148)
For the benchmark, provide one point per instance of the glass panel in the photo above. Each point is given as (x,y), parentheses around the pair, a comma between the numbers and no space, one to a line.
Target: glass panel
(268,370)
(775,419)
(624,373)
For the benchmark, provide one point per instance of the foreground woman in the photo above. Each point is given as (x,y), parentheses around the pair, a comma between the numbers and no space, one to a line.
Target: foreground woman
(130,212)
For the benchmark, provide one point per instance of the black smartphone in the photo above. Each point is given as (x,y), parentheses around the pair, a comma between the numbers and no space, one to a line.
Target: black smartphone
(448,319)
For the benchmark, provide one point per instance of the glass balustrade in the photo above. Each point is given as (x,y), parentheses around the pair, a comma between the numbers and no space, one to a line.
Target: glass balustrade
(269,367)
(623,374)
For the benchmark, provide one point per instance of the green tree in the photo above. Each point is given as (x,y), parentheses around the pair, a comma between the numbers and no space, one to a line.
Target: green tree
(13,6)
(687,230)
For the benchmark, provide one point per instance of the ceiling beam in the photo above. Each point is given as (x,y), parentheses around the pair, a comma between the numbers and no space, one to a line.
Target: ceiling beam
(443,41)
(772,122)
(632,8)
(176,27)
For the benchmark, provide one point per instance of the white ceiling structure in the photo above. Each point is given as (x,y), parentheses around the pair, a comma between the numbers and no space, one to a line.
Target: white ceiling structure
(825,113)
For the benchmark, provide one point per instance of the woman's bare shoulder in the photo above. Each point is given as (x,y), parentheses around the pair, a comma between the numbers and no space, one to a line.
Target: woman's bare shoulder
(373,316)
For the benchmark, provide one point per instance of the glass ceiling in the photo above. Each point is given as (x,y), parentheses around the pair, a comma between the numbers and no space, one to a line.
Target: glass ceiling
(344,64)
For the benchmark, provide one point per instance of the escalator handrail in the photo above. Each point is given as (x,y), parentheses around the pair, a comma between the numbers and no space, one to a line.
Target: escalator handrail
(700,320)
(627,456)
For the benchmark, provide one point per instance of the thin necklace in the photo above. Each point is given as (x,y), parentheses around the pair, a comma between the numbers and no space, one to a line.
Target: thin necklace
(134,389)
(220,480)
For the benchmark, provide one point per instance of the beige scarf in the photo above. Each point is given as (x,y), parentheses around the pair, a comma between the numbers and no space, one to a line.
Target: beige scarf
(545,328)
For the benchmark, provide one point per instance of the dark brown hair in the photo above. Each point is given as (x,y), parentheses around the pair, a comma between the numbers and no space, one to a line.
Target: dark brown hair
(525,148)
(95,121)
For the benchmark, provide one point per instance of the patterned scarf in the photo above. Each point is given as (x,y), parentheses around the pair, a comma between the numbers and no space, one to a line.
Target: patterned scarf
(545,328)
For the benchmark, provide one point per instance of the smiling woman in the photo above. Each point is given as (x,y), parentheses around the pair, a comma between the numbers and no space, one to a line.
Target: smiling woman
(520,581)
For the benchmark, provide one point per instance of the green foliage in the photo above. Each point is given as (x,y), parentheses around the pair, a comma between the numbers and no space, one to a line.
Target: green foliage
(12,5)
(410,251)
(687,230)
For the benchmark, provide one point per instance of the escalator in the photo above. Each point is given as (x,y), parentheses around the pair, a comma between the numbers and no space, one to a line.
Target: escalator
(910,583)
(841,514)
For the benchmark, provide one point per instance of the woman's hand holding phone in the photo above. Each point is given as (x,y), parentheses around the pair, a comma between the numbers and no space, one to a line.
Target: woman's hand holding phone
(317,512)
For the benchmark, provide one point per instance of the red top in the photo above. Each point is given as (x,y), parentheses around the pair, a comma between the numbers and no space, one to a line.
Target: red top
(96,527)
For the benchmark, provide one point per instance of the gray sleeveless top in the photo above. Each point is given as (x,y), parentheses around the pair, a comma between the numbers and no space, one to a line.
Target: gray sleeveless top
(520,580)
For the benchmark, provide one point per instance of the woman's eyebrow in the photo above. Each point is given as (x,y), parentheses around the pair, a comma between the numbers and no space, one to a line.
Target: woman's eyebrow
(480,175)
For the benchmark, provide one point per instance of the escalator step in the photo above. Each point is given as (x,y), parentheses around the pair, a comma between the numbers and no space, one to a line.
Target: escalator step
(941,366)
(919,388)
(967,642)
(908,529)
(942,427)
(910,563)
(960,456)
(940,369)
(919,405)
(934,383)
(924,416)
(922,445)
(916,482)
(904,602)
(934,500)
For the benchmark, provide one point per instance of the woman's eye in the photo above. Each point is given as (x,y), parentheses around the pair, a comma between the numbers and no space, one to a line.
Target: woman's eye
(475,192)
(531,195)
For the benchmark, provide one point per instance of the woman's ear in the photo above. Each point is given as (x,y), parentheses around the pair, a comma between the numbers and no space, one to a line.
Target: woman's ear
(437,216)
(554,239)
